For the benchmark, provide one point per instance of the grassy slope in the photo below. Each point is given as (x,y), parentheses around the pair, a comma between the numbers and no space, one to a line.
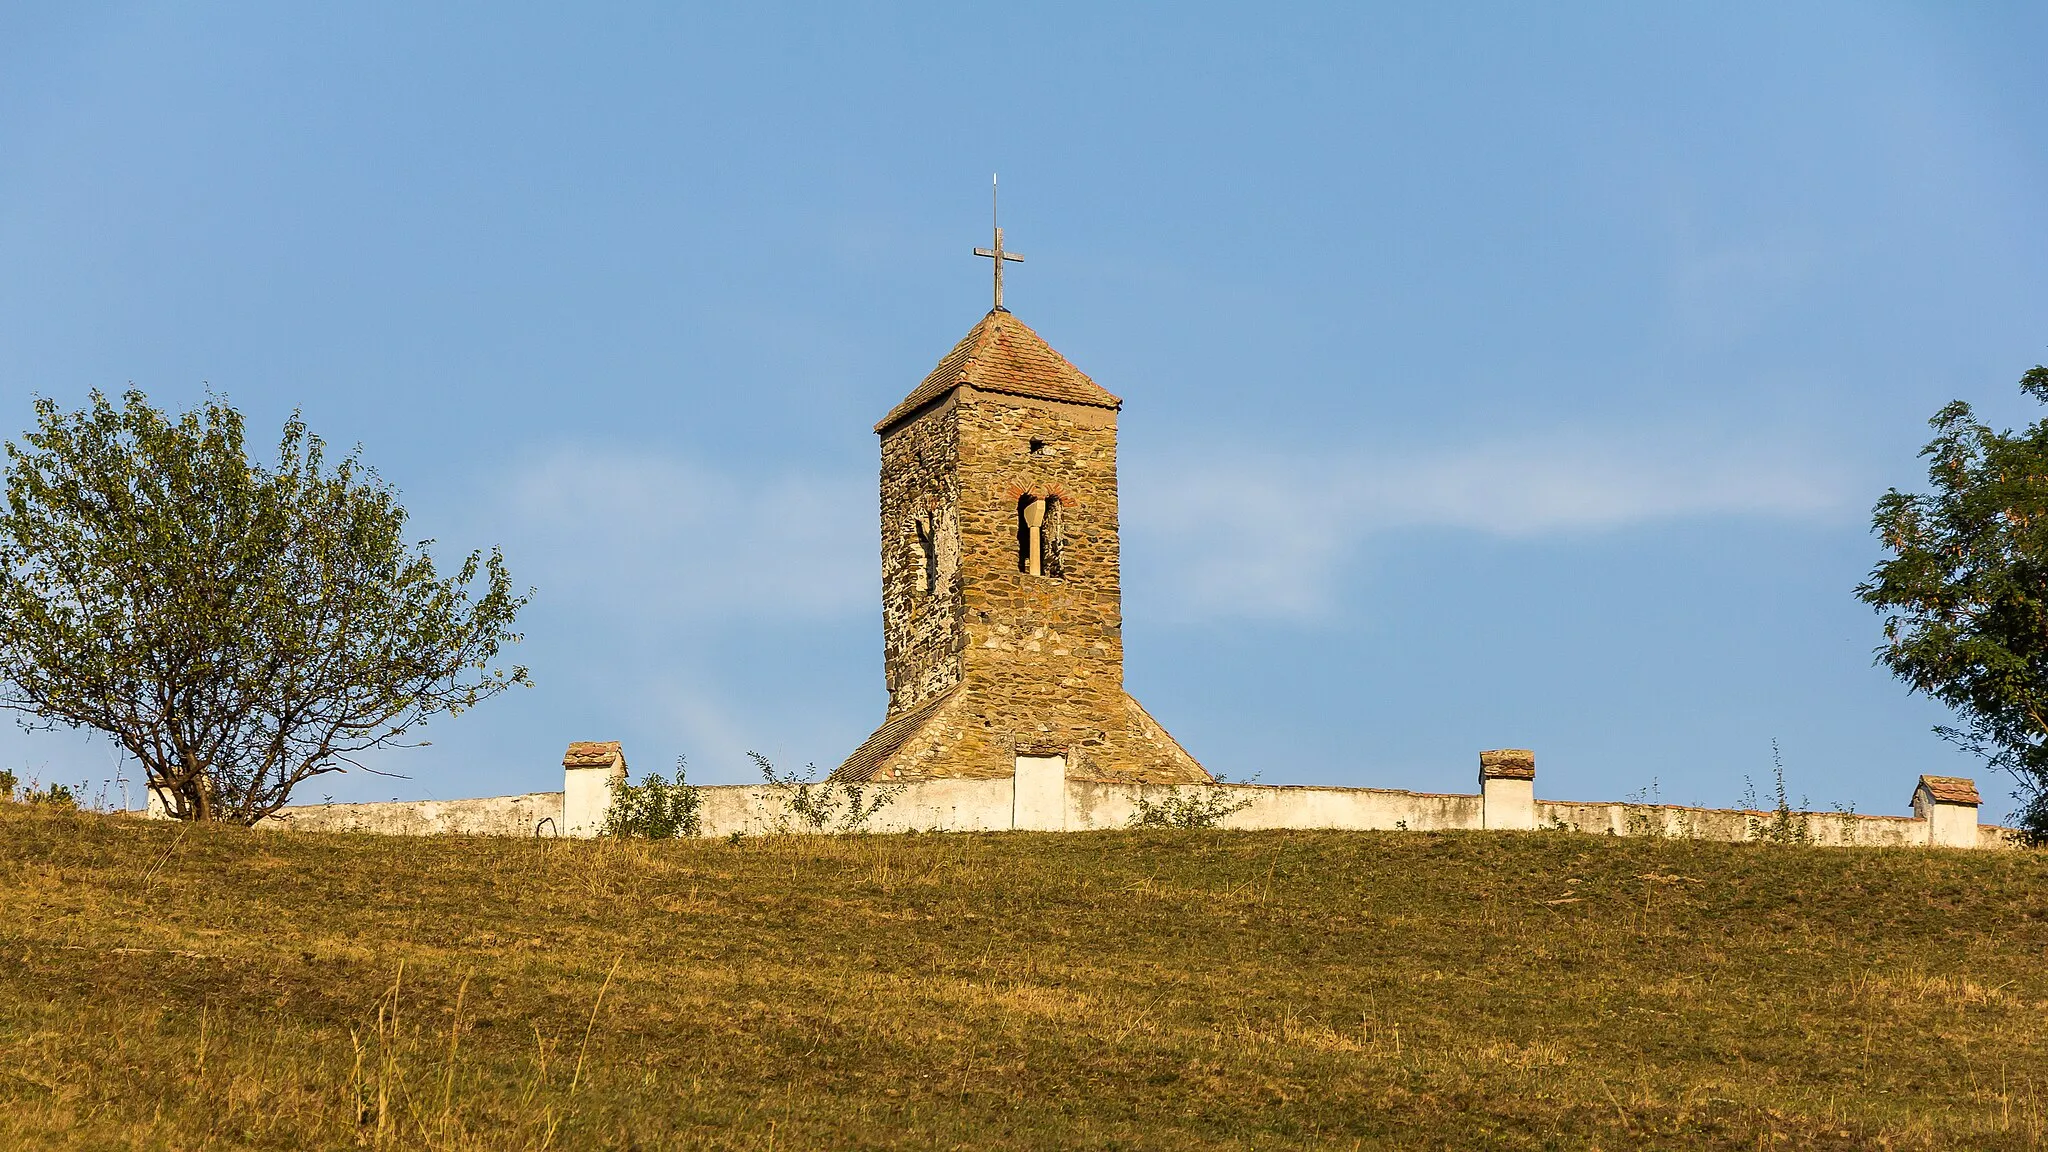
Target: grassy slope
(216,987)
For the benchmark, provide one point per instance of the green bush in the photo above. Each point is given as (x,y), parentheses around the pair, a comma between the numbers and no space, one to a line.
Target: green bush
(654,809)
(1195,806)
(54,796)
(12,790)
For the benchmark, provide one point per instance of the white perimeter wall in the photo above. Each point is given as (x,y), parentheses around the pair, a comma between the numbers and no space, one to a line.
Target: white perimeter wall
(998,805)
(536,813)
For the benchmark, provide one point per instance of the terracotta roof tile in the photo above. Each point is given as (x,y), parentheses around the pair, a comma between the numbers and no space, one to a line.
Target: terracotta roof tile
(1951,789)
(1002,354)
(593,754)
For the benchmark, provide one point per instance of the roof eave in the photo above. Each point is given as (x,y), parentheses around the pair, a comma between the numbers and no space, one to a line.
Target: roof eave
(1116,407)
(905,414)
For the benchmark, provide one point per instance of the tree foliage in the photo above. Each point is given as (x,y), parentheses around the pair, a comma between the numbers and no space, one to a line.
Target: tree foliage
(236,628)
(1965,591)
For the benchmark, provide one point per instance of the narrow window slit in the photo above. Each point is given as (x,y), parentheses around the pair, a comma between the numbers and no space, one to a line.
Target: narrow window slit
(927,555)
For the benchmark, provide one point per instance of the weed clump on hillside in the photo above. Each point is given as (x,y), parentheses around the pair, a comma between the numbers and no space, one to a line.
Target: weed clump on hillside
(13,791)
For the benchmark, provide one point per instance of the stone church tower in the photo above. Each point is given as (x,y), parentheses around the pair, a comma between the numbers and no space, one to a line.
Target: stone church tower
(1002,605)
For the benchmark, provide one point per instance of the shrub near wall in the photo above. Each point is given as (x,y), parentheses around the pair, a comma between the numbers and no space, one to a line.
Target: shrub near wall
(654,809)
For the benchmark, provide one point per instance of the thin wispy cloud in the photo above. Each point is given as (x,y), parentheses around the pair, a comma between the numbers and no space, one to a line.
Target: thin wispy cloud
(662,542)
(1293,525)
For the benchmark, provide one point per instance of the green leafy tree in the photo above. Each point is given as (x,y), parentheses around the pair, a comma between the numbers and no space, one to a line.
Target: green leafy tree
(236,628)
(1964,593)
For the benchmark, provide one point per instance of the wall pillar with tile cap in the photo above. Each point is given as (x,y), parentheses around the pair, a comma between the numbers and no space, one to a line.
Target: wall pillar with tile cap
(589,770)
(1507,788)
(1949,805)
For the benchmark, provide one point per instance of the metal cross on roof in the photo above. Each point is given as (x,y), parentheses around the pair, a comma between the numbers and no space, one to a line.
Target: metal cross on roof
(997,253)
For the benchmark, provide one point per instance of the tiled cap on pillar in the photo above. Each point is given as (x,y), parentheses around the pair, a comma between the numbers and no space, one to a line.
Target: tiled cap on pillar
(595,754)
(1507,764)
(1947,790)
(1507,788)
(1949,805)
(589,769)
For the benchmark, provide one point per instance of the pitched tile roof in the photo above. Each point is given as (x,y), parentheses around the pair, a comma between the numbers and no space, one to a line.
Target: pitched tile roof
(1951,789)
(1002,354)
(860,767)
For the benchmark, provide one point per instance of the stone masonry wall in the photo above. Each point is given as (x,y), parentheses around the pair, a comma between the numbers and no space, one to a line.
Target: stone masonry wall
(921,627)
(1038,660)
(1044,656)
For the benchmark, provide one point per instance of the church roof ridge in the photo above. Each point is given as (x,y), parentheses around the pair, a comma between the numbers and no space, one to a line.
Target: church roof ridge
(1002,354)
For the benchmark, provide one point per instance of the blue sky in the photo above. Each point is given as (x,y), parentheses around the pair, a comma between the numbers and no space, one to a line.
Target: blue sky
(1494,375)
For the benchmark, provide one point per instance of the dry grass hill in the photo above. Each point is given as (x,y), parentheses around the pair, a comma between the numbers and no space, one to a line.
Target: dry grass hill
(166,987)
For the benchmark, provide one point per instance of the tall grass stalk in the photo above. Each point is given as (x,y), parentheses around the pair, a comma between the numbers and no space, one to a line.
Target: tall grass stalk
(584,1047)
